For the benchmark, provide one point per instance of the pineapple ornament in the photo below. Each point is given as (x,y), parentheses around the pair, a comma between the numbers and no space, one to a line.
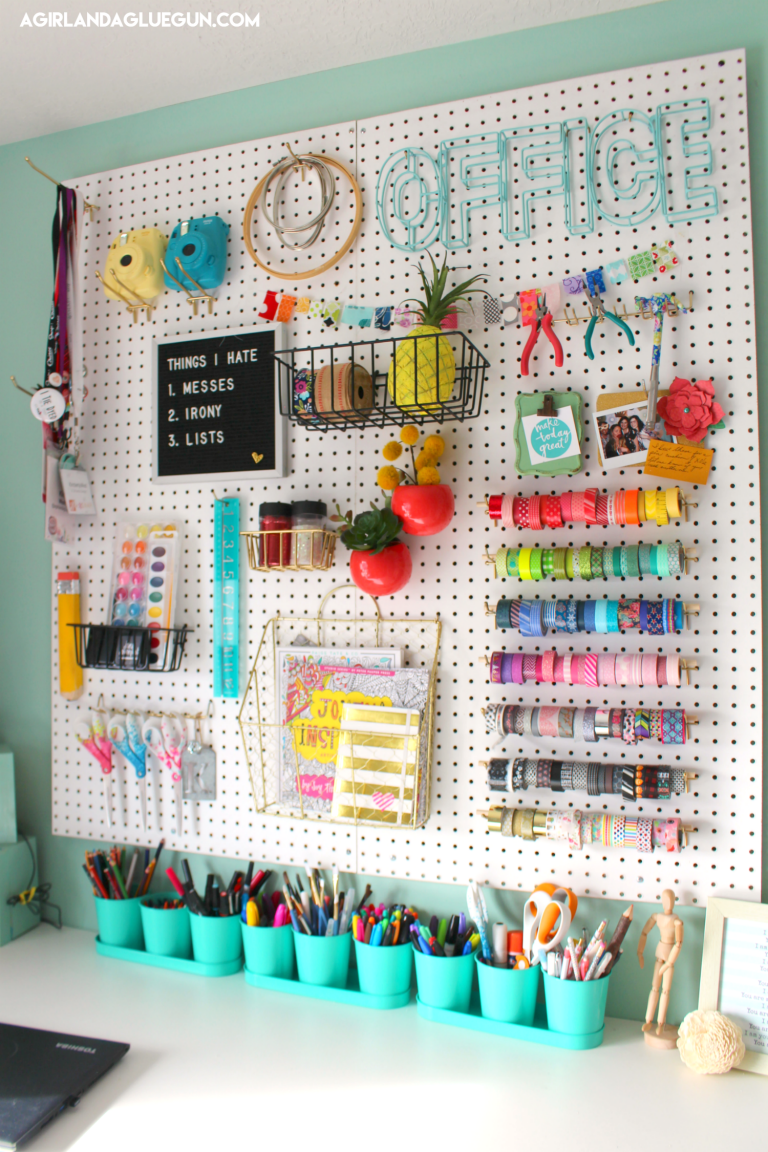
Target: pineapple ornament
(423,371)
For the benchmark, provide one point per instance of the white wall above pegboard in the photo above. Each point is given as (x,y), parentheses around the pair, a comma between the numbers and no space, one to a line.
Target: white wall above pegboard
(450,576)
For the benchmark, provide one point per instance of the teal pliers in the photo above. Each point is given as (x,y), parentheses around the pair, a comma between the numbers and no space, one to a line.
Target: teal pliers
(597,308)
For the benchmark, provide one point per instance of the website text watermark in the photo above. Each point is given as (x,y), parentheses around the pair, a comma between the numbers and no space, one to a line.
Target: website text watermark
(141,20)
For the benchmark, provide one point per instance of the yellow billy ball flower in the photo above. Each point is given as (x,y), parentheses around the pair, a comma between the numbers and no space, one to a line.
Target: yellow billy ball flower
(428,475)
(435,445)
(409,435)
(424,459)
(392,450)
(388,478)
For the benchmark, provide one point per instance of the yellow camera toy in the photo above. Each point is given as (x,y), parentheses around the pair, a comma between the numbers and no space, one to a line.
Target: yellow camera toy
(134,268)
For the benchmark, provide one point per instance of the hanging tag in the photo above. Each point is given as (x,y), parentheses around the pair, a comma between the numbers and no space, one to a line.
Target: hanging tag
(59,525)
(48,405)
(77,491)
(226,598)
(198,771)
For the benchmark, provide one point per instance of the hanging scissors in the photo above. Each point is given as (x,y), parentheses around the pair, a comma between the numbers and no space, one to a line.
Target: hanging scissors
(126,739)
(597,308)
(537,308)
(91,732)
(479,913)
(541,913)
(166,743)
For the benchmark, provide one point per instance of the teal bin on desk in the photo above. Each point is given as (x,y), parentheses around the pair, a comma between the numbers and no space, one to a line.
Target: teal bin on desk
(166,930)
(323,960)
(508,994)
(384,971)
(268,951)
(216,939)
(445,981)
(575,1007)
(120,922)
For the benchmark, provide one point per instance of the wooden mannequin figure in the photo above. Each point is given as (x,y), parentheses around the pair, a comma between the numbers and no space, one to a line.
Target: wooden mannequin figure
(667,951)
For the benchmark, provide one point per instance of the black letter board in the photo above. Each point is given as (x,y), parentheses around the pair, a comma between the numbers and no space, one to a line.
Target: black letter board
(215,405)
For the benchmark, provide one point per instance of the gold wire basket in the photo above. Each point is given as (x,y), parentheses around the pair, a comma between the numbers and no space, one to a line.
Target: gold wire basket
(290,549)
(277,751)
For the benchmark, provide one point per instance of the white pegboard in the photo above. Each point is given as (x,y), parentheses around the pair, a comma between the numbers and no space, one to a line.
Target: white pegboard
(450,576)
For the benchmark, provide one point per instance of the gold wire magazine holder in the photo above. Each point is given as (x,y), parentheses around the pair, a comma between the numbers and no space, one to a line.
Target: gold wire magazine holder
(277,751)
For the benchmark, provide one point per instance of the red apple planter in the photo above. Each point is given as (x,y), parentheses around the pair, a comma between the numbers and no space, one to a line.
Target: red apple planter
(382,573)
(425,509)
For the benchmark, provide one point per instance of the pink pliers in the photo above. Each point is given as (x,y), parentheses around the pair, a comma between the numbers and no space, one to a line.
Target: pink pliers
(540,319)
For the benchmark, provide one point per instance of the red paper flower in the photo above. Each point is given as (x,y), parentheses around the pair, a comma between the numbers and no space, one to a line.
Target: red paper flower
(689,409)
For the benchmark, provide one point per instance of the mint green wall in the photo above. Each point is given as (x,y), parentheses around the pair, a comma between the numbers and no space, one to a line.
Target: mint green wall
(640,35)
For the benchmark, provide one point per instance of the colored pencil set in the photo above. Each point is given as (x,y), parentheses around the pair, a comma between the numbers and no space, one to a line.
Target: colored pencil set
(109,878)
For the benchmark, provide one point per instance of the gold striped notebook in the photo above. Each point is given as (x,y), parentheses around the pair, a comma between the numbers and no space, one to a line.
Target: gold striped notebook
(377,766)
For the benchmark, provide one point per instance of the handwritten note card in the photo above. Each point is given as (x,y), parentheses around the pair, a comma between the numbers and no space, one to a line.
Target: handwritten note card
(678,462)
(744,980)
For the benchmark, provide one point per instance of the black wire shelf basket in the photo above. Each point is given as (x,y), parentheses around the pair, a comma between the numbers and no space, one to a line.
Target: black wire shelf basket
(119,648)
(426,379)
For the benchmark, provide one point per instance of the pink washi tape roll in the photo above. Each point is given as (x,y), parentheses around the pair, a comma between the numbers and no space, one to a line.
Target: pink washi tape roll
(548,721)
(566,507)
(673,671)
(507,511)
(624,669)
(534,512)
(649,671)
(567,674)
(529,667)
(548,667)
(606,668)
(590,670)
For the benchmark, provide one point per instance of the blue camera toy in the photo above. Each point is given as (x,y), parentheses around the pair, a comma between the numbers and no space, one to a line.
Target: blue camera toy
(196,256)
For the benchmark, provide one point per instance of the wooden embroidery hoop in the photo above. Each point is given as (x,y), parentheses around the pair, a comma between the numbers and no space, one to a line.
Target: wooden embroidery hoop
(248,218)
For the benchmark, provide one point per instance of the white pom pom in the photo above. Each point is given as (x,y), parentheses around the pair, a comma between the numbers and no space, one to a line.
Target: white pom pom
(710,1043)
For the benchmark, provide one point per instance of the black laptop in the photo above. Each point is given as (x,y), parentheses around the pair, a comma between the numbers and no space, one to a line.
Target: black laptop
(41,1073)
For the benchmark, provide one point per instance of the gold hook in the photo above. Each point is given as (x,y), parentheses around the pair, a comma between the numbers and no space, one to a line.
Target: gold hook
(134,309)
(16,384)
(91,208)
(297,160)
(193,300)
(488,610)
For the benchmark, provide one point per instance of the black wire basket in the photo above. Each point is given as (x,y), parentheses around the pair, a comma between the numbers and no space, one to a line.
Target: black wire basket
(432,378)
(120,648)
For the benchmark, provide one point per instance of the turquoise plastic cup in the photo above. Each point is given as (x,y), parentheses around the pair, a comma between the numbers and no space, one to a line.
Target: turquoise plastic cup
(166,930)
(384,971)
(445,981)
(216,939)
(508,994)
(269,951)
(120,922)
(323,960)
(576,1007)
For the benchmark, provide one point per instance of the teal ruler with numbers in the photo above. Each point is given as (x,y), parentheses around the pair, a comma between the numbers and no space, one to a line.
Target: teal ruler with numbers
(226,598)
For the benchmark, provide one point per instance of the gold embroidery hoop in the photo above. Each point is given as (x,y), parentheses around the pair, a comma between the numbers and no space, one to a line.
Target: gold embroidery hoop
(248,220)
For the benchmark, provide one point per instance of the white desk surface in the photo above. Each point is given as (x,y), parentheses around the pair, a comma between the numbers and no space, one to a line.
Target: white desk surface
(215,1064)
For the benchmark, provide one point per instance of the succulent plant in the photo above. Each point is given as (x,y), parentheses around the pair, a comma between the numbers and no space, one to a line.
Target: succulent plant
(369,531)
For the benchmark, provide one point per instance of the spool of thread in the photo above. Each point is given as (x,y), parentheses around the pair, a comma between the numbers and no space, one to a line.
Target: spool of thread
(344,392)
